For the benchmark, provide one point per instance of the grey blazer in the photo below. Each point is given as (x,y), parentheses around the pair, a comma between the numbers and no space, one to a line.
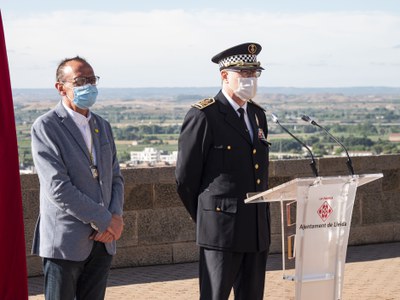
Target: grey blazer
(70,198)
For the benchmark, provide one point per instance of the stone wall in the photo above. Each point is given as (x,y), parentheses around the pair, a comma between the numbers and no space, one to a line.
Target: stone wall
(158,230)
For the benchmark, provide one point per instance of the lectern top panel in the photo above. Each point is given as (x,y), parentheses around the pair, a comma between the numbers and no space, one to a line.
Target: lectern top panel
(288,190)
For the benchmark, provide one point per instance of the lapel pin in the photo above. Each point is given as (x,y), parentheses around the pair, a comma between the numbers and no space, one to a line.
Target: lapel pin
(96,130)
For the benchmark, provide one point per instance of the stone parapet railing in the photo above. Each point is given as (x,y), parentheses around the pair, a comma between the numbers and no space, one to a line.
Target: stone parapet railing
(158,229)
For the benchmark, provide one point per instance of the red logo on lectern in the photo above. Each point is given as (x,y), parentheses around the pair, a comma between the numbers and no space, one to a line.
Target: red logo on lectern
(324,211)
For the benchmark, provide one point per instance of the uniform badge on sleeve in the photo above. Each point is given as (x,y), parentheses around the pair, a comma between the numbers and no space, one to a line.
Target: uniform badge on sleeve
(261,137)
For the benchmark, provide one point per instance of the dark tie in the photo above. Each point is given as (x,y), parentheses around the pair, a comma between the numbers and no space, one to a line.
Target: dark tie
(241,111)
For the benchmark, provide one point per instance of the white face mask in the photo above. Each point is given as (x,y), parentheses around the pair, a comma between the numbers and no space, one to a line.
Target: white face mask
(247,88)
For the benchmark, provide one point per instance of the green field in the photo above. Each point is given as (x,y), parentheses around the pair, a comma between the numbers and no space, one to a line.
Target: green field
(139,123)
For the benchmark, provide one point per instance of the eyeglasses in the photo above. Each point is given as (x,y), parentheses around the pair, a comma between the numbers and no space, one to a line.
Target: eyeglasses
(80,81)
(246,73)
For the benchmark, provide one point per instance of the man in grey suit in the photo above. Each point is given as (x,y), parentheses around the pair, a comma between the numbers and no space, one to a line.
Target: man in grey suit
(81,189)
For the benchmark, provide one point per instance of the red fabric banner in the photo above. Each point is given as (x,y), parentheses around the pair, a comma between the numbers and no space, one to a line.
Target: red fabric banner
(13,275)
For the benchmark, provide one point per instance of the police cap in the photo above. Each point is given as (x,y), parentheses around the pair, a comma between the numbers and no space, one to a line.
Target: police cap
(243,56)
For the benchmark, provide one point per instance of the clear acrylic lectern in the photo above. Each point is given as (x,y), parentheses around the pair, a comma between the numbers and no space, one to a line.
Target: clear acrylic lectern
(324,207)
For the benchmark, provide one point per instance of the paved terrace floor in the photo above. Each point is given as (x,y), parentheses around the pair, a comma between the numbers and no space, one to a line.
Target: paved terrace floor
(371,272)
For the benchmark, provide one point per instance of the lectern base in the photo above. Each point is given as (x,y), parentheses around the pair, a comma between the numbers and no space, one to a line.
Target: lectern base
(324,206)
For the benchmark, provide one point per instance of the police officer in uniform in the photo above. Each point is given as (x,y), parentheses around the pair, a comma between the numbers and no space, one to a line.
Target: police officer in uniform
(223,154)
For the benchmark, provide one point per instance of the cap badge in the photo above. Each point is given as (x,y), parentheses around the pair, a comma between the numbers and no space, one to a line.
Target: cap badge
(252,48)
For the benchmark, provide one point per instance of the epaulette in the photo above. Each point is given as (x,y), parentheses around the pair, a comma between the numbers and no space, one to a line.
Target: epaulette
(204,103)
(258,105)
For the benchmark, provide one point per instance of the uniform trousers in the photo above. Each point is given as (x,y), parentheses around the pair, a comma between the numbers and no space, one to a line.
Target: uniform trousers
(219,271)
(85,280)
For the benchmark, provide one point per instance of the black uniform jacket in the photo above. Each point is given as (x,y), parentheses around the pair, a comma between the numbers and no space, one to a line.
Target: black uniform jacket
(217,165)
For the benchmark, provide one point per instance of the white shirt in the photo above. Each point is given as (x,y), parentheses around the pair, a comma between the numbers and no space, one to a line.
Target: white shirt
(236,107)
(83,124)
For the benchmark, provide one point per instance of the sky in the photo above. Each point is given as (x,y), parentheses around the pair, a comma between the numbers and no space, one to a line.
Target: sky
(306,43)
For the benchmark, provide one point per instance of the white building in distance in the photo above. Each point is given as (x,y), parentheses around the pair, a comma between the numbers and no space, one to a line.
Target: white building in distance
(153,156)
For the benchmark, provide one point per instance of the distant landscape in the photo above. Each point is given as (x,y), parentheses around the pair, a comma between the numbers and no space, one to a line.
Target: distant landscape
(365,119)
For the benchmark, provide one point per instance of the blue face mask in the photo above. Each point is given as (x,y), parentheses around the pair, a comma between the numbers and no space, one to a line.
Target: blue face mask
(85,96)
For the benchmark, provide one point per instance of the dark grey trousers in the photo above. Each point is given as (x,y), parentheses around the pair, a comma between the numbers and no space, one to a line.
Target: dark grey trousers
(222,270)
